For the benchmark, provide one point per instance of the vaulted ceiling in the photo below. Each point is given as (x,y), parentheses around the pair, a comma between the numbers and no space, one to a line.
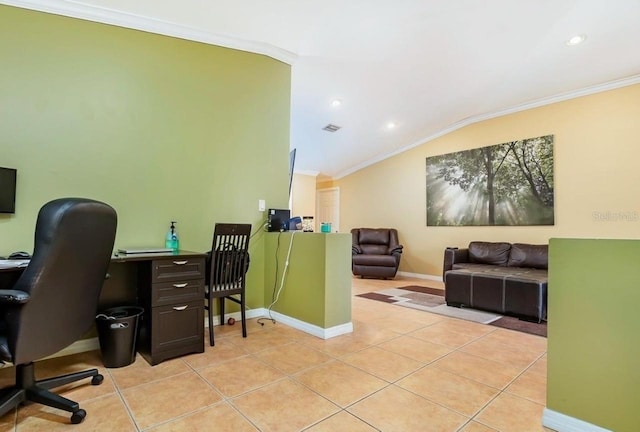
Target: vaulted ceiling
(425,67)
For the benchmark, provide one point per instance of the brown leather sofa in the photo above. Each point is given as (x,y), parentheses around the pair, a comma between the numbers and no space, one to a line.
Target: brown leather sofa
(375,252)
(507,278)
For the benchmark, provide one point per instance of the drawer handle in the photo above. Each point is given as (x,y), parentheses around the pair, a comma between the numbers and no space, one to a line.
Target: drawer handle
(181,285)
(180,262)
(180,308)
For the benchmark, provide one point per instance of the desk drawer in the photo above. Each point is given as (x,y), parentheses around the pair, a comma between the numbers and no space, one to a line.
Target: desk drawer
(180,291)
(177,269)
(179,325)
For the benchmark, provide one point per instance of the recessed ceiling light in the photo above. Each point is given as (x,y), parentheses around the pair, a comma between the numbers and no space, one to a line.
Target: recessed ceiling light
(391,125)
(577,39)
(336,103)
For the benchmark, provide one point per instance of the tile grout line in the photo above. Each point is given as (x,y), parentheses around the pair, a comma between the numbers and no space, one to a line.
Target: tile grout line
(123,400)
(459,349)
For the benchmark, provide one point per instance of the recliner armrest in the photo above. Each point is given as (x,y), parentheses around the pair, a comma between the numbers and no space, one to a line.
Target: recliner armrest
(13,297)
(355,250)
(396,250)
(454,256)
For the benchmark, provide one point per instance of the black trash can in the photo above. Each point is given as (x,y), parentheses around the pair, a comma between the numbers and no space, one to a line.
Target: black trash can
(117,330)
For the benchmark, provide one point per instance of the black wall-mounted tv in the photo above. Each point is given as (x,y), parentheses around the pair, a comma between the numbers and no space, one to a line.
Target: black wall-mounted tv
(292,163)
(7,190)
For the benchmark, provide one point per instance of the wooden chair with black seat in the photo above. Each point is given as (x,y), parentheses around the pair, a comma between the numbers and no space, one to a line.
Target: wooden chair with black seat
(54,301)
(227,266)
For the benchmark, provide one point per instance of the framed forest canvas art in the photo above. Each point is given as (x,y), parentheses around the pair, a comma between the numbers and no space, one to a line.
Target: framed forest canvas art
(504,184)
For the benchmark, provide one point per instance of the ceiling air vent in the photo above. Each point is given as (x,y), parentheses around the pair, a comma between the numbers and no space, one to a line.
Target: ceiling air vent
(331,128)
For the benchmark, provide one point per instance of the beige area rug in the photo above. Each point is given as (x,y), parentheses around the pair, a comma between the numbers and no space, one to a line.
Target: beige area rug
(432,300)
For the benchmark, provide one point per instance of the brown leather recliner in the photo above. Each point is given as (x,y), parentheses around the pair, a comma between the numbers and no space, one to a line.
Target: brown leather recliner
(375,252)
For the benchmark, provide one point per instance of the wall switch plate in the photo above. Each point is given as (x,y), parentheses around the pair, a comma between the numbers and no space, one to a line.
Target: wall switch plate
(262,206)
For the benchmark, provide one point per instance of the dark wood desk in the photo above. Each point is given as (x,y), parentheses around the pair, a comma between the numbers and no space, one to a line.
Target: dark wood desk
(170,289)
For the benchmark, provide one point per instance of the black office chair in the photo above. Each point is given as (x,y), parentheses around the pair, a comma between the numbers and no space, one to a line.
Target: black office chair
(228,264)
(54,301)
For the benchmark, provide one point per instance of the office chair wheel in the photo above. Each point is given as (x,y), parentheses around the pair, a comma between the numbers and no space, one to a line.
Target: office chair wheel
(97,380)
(78,416)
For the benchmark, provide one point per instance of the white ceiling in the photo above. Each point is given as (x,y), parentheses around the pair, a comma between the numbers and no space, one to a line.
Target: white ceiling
(429,66)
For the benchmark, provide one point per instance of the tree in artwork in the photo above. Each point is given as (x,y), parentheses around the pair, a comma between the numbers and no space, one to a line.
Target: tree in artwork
(504,184)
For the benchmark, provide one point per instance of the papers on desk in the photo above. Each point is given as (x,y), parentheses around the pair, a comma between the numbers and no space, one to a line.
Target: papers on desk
(9,264)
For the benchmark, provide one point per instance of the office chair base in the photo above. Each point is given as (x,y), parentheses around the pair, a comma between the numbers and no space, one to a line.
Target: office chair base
(28,389)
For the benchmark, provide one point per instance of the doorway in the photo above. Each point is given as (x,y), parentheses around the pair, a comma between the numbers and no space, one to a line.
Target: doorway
(328,208)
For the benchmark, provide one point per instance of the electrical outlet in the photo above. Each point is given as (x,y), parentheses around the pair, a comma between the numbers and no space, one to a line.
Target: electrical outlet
(262,206)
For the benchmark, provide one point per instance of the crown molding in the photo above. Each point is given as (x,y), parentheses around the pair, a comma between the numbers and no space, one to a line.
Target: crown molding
(586,91)
(151,25)
(306,172)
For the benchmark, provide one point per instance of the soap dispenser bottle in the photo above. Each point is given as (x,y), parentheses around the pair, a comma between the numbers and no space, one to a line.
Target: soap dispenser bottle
(171,240)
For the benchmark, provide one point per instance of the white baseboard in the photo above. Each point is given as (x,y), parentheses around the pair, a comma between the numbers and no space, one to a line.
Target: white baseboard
(92,344)
(313,330)
(291,322)
(564,423)
(338,330)
(421,276)
(251,313)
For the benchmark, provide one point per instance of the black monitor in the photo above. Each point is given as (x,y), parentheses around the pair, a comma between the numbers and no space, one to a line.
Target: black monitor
(278,220)
(7,190)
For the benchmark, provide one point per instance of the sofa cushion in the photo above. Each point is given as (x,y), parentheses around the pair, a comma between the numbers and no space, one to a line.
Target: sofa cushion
(489,253)
(528,255)
(512,290)
(500,272)
(375,260)
(472,266)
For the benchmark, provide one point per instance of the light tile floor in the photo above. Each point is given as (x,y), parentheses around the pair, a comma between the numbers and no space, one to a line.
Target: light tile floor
(400,370)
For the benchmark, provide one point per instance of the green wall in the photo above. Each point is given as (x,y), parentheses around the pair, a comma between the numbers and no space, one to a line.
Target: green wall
(337,274)
(160,128)
(317,285)
(594,332)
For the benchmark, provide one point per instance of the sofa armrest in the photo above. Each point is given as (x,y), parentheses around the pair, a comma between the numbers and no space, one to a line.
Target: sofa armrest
(355,250)
(454,256)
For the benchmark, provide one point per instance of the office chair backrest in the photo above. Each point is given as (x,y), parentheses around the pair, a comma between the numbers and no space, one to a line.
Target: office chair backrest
(74,240)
